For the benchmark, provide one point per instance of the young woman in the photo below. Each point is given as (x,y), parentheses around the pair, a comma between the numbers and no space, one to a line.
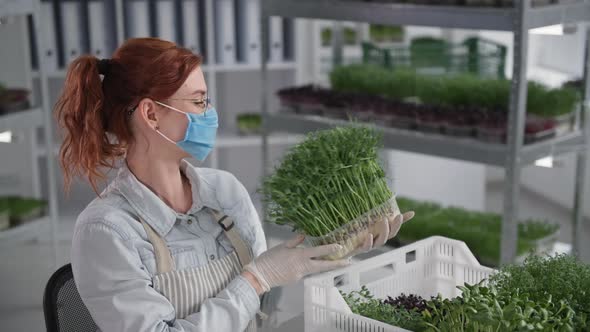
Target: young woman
(167,246)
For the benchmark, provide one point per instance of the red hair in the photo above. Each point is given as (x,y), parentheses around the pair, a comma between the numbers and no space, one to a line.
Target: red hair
(93,114)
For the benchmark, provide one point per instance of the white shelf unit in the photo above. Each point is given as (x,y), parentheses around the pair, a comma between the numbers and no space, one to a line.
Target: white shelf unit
(223,141)
(518,19)
(208,69)
(30,120)
(120,22)
(211,69)
(27,120)
(460,17)
(460,148)
(191,23)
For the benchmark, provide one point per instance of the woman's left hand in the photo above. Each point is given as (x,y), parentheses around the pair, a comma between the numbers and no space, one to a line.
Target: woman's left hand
(382,231)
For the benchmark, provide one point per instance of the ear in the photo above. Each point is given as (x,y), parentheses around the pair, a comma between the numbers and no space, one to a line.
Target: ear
(147,111)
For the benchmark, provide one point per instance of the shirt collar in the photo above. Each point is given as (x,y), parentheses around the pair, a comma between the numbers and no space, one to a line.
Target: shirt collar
(149,206)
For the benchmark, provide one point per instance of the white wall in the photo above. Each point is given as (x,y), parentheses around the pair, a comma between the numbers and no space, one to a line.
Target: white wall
(441,180)
(553,60)
(557,184)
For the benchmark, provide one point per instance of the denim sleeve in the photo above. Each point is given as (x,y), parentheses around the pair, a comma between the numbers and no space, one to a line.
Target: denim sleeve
(259,237)
(246,213)
(117,289)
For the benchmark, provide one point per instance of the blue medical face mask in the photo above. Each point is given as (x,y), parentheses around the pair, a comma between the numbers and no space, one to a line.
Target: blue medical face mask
(199,138)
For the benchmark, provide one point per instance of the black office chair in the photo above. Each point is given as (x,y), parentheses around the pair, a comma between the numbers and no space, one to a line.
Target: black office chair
(62,305)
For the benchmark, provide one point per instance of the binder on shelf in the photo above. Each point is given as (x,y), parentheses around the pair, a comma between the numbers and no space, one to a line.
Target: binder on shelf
(152,9)
(178,8)
(97,23)
(225,32)
(276,39)
(33,43)
(288,39)
(125,13)
(84,25)
(240,19)
(137,18)
(248,40)
(71,30)
(191,25)
(165,20)
(202,22)
(48,45)
(111,28)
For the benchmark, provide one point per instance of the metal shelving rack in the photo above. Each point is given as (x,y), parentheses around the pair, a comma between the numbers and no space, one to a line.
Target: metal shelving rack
(212,71)
(36,117)
(512,156)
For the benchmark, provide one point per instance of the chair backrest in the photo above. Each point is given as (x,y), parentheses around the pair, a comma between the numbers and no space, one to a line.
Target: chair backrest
(62,305)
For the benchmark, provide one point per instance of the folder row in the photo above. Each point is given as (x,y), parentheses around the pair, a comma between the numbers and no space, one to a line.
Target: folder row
(71,28)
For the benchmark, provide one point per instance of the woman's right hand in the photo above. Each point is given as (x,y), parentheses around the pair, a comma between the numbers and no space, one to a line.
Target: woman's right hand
(286,263)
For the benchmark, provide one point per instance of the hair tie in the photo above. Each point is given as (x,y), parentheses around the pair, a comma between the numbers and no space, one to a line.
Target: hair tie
(103,66)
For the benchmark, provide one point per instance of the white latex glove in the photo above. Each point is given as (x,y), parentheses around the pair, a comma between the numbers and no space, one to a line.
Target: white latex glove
(286,263)
(382,231)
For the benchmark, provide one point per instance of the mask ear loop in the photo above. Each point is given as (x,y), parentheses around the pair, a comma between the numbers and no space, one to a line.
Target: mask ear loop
(165,137)
(158,128)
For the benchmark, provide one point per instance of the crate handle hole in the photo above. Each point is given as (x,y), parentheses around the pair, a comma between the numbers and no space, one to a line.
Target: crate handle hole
(410,256)
(377,273)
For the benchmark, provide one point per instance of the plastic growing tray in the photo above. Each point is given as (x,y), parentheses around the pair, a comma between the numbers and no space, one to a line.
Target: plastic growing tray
(404,122)
(566,123)
(310,108)
(336,113)
(539,136)
(351,235)
(436,265)
(458,130)
(430,127)
(363,116)
(491,135)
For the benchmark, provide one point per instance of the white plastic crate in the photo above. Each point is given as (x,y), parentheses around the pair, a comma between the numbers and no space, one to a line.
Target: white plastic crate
(436,265)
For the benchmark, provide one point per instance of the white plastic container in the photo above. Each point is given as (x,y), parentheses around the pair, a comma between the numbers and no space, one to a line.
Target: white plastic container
(436,265)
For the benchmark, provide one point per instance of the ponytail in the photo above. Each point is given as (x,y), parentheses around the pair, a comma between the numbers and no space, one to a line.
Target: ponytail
(79,110)
(94,114)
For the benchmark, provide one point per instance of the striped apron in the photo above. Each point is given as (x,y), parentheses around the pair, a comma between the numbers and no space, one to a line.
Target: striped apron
(187,289)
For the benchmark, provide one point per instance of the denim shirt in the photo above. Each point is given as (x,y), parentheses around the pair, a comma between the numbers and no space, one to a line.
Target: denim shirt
(113,261)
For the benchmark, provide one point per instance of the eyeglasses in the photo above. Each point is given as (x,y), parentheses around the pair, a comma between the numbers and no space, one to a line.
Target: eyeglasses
(202,104)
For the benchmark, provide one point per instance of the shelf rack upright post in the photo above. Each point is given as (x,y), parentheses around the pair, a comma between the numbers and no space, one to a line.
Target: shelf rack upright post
(518,19)
(581,156)
(39,116)
(49,134)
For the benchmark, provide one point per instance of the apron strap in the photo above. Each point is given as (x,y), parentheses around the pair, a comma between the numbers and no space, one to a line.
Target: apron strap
(164,261)
(227,224)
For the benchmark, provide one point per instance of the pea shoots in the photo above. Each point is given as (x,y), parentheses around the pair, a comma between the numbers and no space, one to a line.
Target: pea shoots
(331,186)
(543,294)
